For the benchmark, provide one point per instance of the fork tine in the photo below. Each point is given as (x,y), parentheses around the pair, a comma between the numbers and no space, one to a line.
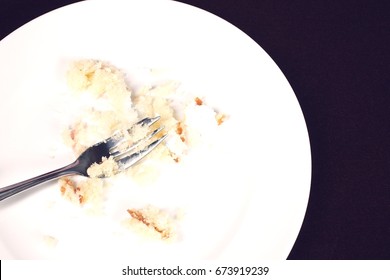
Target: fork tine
(115,151)
(148,121)
(116,140)
(132,159)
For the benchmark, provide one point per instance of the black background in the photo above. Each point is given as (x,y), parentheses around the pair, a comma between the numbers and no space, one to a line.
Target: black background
(335,54)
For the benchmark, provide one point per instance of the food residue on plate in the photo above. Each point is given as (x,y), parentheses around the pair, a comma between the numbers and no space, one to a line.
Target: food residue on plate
(112,106)
(151,221)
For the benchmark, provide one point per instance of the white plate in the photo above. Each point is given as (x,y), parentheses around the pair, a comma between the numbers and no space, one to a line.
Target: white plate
(250,205)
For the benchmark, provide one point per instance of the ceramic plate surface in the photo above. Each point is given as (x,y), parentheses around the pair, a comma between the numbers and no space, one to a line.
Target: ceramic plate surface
(245,201)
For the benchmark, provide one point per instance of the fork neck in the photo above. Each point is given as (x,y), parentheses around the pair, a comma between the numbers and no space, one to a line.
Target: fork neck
(71,169)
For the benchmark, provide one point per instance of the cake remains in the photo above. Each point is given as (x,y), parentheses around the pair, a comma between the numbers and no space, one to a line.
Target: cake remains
(152,221)
(112,107)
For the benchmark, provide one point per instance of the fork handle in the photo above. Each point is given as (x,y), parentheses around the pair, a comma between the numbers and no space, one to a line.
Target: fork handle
(26,184)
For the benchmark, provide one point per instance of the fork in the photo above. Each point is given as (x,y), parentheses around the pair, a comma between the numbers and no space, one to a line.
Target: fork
(95,154)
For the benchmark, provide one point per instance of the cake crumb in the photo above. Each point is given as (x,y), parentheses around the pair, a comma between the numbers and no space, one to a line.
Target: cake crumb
(198,101)
(82,191)
(153,222)
(107,168)
(180,131)
(220,118)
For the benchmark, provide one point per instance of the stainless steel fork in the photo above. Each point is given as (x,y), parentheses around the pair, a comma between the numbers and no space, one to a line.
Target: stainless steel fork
(94,154)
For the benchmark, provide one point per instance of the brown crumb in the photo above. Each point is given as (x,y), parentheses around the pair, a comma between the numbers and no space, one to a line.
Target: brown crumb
(180,131)
(220,118)
(138,215)
(68,183)
(79,192)
(198,101)
(179,128)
